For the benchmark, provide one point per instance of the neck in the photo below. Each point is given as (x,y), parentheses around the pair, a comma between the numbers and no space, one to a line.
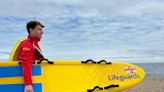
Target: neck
(33,38)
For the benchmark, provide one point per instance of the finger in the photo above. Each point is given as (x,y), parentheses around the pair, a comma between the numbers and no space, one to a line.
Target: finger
(28,91)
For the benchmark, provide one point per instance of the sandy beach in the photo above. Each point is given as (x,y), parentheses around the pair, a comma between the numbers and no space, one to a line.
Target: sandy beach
(149,85)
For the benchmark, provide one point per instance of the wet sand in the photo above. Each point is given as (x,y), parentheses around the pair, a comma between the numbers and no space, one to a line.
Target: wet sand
(149,85)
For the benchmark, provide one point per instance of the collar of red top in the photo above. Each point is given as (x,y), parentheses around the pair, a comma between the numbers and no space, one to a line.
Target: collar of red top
(33,39)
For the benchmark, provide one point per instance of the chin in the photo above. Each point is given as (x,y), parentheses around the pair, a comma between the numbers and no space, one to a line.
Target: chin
(40,38)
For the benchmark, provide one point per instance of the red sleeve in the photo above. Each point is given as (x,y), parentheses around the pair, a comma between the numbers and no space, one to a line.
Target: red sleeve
(26,57)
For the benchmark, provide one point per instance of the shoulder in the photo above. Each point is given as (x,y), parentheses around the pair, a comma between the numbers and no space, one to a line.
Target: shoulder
(26,45)
(26,42)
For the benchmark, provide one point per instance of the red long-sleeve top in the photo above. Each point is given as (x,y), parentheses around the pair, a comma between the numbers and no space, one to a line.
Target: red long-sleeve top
(27,55)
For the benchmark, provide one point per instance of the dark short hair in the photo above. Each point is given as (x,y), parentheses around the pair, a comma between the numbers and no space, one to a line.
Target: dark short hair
(33,24)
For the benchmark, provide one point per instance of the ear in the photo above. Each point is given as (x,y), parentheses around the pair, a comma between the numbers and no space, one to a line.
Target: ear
(31,30)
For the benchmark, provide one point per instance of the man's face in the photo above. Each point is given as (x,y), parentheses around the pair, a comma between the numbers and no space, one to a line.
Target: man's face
(37,31)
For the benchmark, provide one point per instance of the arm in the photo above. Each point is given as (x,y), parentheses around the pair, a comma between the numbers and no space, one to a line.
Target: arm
(26,57)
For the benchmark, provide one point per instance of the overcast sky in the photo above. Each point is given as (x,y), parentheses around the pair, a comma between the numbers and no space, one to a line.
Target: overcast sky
(116,30)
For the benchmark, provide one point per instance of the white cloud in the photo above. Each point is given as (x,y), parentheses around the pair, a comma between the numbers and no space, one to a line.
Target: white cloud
(4,55)
(130,31)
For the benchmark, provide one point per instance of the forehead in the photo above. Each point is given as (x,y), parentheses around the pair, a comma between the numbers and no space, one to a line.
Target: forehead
(38,26)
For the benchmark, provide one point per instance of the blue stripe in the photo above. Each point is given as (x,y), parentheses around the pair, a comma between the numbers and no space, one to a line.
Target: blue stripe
(14,71)
(19,87)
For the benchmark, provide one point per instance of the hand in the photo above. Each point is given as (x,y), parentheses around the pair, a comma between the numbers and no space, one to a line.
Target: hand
(28,88)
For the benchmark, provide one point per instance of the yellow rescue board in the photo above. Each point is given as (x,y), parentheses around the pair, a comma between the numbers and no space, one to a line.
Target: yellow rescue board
(15,51)
(75,76)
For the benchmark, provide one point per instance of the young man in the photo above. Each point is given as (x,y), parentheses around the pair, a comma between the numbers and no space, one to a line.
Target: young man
(27,52)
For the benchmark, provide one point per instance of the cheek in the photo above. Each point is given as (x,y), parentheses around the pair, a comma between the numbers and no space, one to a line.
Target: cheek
(39,32)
